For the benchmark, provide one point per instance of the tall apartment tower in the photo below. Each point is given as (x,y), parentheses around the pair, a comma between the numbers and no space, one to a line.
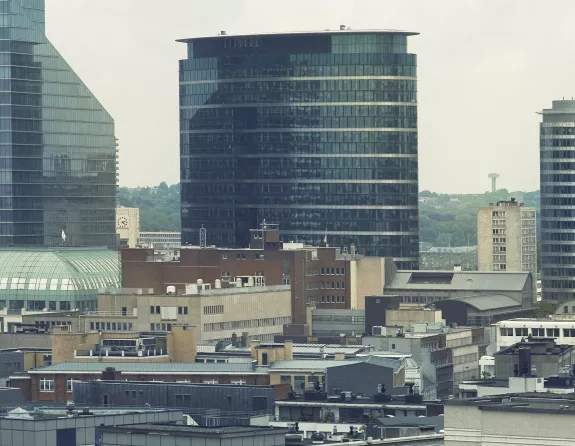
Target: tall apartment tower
(57,144)
(314,131)
(557,169)
(507,237)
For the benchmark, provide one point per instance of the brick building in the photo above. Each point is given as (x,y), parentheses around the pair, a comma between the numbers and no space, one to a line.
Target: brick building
(55,382)
(319,276)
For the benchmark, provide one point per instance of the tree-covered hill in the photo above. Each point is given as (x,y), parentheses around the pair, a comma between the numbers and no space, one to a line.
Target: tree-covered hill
(444,219)
(159,206)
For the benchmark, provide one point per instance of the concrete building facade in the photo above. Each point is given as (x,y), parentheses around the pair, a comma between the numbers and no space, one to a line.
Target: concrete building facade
(218,314)
(526,419)
(507,238)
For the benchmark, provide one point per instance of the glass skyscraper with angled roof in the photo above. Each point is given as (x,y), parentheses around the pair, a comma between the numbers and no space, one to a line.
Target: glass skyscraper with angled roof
(57,144)
(316,132)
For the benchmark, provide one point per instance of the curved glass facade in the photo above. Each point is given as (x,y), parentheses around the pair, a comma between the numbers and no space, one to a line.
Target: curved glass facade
(57,144)
(316,132)
(558,202)
(56,278)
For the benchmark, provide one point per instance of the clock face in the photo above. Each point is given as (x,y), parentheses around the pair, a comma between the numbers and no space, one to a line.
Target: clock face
(122,222)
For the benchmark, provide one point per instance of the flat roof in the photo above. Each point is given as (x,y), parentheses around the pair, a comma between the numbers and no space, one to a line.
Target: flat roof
(148,368)
(304,33)
(195,431)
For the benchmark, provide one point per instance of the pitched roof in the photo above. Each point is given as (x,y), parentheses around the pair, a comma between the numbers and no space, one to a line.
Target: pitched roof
(322,364)
(150,368)
(459,280)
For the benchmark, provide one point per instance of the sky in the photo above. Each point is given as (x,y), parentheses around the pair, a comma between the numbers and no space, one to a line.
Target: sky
(485,68)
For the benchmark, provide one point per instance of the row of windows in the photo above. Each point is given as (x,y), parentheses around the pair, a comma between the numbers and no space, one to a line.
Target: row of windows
(300,174)
(299,111)
(272,85)
(499,240)
(308,188)
(111,326)
(535,332)
(499,231)
(282,64)
(284,163)
(545,130)
(306,122)
(557,143)
(333,299)
(214,309)
(289,140)
(250,323)
(188,74)
(289,97)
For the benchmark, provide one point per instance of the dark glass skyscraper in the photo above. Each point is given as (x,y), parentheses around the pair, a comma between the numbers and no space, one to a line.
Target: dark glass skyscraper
(314,131)
(57,144)
(558,202)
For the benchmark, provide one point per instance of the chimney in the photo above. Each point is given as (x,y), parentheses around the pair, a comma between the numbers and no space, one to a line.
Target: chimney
(110,374)
(254,343)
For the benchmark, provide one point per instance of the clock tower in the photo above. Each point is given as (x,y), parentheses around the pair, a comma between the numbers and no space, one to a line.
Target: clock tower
(128,226)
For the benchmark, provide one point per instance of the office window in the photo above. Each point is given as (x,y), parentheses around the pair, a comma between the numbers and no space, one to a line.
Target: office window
(46,385)
(552,332)
(506,331)
(185,310)
(69,385)
(521,331)
(540,332)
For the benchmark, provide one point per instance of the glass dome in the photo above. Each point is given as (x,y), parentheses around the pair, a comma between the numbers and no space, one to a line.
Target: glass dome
(56,278)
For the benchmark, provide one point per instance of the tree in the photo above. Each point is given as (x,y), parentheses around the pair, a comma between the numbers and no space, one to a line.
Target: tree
(544,308)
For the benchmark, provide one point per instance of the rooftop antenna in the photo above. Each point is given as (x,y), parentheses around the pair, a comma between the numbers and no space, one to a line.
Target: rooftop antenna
(203,237)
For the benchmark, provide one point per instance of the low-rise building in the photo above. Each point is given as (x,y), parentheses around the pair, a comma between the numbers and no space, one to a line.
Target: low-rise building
(332,322)
(526,419)
(231,403)
(163,241)
(468,298)
(558,327)
(540,357)
(19,360)
(148,434)
(218,313)
(53,426)
(55,382)
(260,312)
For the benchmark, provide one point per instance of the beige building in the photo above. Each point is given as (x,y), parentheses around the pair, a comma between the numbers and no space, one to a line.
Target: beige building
(506,237)
(409,317)
(102,346)
(128,226)
(261,311)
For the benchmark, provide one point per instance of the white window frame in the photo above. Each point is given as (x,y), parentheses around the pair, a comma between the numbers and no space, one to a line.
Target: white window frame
(46,385)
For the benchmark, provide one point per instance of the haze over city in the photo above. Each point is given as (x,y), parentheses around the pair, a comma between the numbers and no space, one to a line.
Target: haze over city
(484,70)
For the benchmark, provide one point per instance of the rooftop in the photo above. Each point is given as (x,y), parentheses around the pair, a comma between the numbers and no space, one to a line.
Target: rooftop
(48,271)
(56,412)
(322,364)
(459,280)
(305,33)
(485,302)
(209,292)
(149,368)
(196,431)
(521,402)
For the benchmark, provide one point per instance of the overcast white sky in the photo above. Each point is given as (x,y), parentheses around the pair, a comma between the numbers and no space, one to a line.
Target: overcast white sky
(485,68)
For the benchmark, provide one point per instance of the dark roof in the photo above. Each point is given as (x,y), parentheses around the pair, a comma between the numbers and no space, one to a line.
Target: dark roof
(458,280)
(307,33)
(196,431)
(159,368)
(485,302)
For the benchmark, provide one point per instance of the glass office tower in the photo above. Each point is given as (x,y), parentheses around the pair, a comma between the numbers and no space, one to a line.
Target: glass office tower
(57,144)
(558,202)
(314,131)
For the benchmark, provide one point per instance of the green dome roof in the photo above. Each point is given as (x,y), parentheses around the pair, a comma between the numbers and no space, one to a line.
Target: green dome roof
(55,274)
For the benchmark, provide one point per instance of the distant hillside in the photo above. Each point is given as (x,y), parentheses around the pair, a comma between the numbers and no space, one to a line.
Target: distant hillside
(451,219)
(444,219)
(159,206)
